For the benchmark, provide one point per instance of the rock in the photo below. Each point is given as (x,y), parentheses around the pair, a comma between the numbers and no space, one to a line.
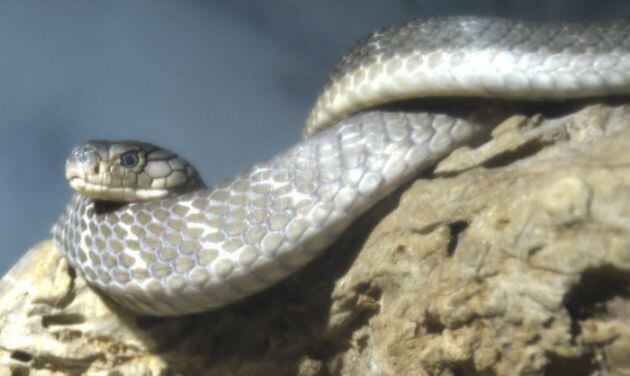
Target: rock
(512,258)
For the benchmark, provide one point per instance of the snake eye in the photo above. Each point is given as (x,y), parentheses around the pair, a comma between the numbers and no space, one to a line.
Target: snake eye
(129,159)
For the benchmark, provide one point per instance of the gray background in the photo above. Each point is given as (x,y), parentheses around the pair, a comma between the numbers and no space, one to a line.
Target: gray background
(225,83)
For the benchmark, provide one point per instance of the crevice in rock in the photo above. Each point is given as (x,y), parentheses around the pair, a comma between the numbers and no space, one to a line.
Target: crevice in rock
(589,296)
(433,324)
(509,157)
(580,366)
(73,275)
(50,364)
(68,366)
(21,356)
(366,288)
(456,229)
(63,319)
(362,343)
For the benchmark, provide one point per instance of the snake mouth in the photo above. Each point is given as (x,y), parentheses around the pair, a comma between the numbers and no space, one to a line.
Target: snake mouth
(86,188)
(77,183)
(118,194)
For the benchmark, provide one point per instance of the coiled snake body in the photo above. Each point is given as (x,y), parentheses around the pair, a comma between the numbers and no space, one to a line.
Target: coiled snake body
(182,248)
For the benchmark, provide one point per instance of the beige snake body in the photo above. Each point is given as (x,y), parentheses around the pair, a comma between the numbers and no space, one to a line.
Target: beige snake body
(213,246)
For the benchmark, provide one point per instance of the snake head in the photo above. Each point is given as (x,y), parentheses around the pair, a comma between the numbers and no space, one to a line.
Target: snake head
(129,171)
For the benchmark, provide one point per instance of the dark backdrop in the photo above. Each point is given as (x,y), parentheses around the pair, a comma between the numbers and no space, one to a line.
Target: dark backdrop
(225,83)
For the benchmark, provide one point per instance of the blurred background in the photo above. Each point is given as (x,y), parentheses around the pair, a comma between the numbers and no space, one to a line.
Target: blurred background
(224,83)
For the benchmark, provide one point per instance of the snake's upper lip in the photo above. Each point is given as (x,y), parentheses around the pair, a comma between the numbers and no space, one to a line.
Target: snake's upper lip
(76,182)
(103,192)
(73,171)
(88,189)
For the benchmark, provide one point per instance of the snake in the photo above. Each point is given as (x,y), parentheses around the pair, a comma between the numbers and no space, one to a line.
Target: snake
(143,228)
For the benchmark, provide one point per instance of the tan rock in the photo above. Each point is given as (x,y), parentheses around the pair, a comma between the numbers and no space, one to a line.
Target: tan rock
(513,258)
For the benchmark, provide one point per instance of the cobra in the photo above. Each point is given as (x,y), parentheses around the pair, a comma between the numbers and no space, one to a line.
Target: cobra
(144,229)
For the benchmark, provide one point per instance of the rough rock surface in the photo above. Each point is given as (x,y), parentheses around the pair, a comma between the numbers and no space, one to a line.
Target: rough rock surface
(509,258)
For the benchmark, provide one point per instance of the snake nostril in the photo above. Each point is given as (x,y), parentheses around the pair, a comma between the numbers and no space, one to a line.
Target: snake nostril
(88,159)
